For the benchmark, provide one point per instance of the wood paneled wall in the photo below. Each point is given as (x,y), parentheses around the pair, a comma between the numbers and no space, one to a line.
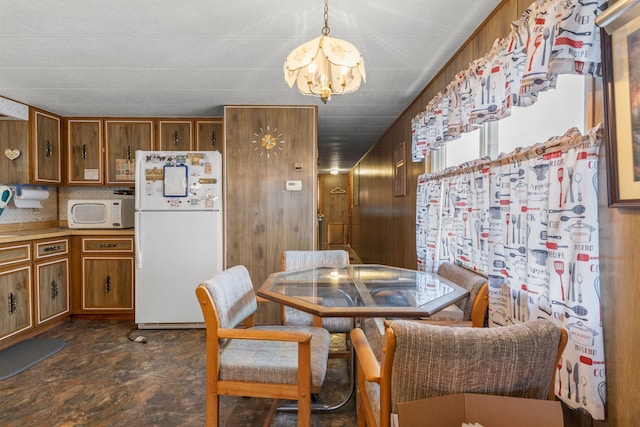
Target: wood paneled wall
(384,229)
(334,200)
(262,218)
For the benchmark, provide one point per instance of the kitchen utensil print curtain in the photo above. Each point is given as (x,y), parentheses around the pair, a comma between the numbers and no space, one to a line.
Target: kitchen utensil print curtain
(551,37)
(529,220)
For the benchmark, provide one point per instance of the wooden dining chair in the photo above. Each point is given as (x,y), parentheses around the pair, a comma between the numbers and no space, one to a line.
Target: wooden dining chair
(475,306)
(422,360)
(294,260)
(273,361)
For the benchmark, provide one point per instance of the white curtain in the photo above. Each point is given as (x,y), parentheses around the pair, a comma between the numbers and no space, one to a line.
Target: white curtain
(529,221)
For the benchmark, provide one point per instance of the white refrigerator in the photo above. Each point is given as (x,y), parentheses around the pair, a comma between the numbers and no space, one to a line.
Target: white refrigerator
(178,234)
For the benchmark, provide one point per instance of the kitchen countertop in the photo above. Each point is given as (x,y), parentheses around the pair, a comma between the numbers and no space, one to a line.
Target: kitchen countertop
(11,236)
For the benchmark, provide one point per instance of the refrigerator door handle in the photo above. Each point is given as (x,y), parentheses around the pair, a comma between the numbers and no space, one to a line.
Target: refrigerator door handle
(138,241)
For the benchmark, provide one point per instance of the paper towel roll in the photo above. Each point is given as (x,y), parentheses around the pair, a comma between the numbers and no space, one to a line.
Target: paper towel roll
(29,198)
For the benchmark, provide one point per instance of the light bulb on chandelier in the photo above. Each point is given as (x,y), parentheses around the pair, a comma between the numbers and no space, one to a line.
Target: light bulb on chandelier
(325,66)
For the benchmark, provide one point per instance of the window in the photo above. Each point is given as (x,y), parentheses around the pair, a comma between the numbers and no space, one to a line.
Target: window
(556,111)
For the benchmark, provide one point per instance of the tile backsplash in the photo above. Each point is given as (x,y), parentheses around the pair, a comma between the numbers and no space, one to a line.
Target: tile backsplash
(55,207)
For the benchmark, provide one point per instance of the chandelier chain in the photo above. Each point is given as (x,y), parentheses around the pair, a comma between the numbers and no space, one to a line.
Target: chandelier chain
(326,29)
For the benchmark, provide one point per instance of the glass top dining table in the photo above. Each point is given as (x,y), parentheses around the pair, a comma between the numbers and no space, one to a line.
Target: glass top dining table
(362,290)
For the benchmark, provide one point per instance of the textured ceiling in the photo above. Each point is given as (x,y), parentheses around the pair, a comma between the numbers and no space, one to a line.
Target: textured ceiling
(189,58)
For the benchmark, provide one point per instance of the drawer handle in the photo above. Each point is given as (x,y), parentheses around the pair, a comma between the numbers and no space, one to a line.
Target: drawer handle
(107,285)
(52,248)
(12,303)
(108,245)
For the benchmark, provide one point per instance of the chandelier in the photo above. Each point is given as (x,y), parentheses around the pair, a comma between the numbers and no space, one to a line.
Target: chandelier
(325,66)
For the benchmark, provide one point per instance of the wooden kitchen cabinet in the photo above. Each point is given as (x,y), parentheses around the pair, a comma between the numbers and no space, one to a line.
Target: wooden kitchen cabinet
(107,275)
(51,267)
(15,290)
(46,150)
(209,134)
(14,146)
(85,160)
(175,135)
(122,138)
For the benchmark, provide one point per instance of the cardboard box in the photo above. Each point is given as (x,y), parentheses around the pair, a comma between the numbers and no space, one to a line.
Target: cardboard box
(489,411)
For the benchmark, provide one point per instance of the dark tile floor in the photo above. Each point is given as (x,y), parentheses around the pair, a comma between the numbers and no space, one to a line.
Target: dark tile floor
(101,378)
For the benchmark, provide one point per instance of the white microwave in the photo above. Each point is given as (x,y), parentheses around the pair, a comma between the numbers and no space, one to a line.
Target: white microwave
(112,213)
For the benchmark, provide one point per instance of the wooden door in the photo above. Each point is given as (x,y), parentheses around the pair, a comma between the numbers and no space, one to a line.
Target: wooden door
(108,283)
(209,135)
(15,300)
(14,151)
(84,152)
(122,139)
(46,150)
(175,135)
(52,286)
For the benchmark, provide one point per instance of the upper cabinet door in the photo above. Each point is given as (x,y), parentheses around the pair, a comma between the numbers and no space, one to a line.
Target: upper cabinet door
(209,134)
(84,155)
(122,139)
(46,151)
(14,150)
(175,135)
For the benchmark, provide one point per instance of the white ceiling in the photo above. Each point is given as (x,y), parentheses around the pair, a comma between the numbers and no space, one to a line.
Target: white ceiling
(189,58)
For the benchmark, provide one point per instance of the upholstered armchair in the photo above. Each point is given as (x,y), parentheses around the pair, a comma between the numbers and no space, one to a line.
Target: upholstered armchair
(421,360)
(276,361)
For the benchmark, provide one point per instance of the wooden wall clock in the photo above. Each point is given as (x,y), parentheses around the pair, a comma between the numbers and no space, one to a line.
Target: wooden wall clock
(268,142)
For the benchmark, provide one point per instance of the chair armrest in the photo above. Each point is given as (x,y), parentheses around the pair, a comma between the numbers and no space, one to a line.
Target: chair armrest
(366,358)
(265,335)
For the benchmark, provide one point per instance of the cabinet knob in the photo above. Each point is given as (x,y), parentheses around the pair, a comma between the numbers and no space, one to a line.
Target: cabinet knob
(107,285)
(176,140)
(84,151)
(129,152)
(213,138)
(48,148)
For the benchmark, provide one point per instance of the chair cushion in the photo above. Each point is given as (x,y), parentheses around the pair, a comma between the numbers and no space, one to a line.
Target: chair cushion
(465,278)
(374,331)
(373,394)
(233,296)
(516,360)
(335,325)
(274,361)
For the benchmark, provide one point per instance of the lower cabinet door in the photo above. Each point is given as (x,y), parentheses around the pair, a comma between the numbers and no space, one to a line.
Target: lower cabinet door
(15,301)
(107,283)
(53,289)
